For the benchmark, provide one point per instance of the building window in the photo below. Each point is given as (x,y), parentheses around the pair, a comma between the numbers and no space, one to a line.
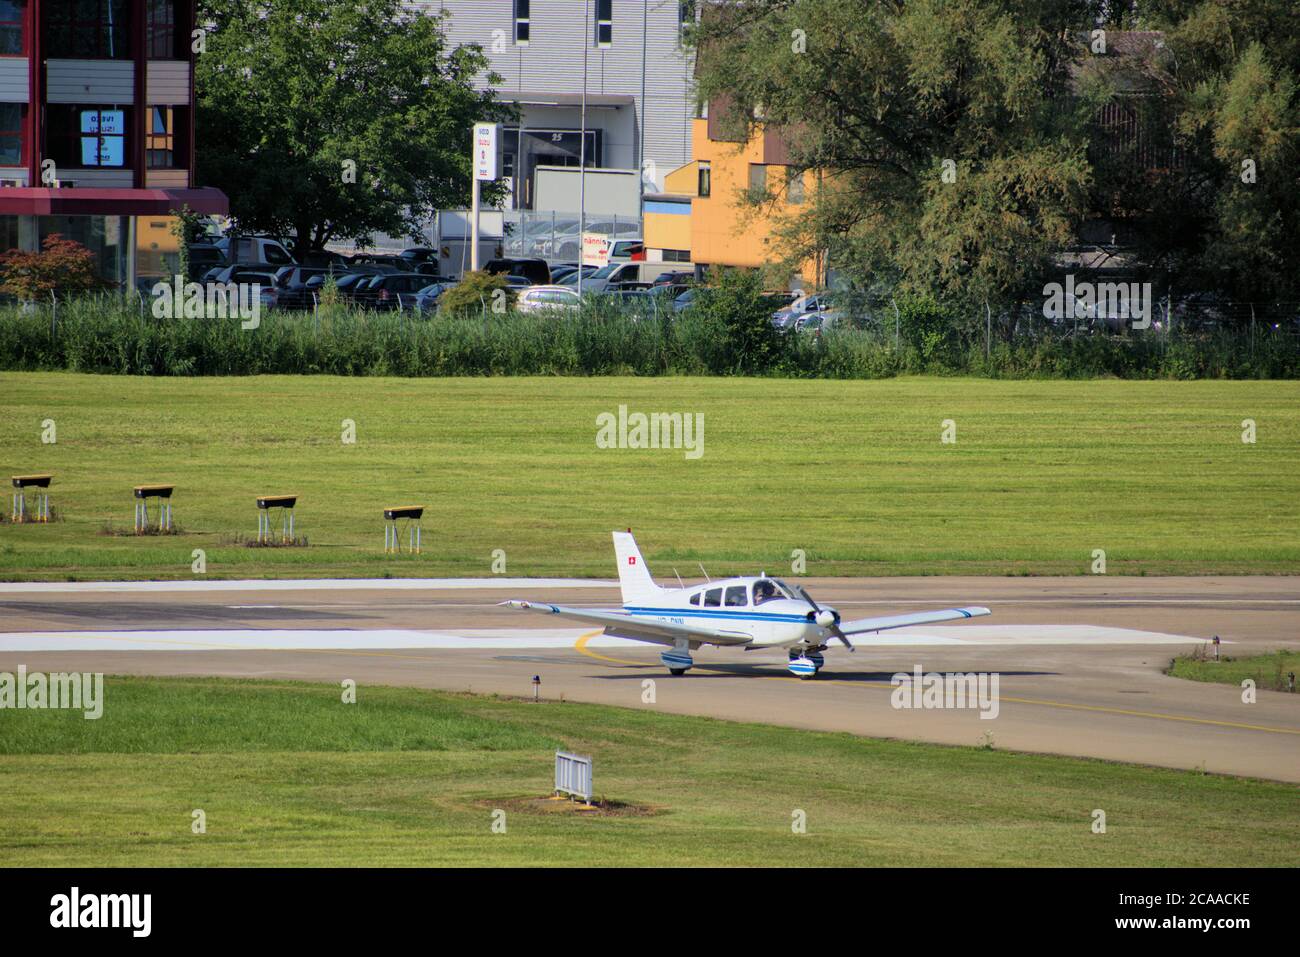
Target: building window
(166,141)
(161,30)
(677,255)
(757,179)
(13,126)
(88,29)
(523,23)
(793,185)
(604,22)
(87,137)
(13,40)
(706,179)
(160,141)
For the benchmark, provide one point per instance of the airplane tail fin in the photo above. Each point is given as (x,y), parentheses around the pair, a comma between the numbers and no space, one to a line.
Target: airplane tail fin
(633,575)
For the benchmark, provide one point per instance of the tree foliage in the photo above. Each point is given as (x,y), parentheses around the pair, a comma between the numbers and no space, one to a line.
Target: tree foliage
(63,266)
(952,143)
(1228,216)
(329,119)
(961,146)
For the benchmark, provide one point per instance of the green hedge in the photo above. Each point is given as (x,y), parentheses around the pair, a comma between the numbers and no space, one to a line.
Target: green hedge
(109,336)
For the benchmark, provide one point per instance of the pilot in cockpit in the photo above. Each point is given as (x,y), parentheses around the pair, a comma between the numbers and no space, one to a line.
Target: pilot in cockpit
(764,591)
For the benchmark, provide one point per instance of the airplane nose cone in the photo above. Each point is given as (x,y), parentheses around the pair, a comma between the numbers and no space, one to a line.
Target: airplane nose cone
(825,618)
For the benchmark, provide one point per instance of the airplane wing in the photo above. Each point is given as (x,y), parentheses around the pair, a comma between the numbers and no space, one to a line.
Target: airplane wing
(638,627)
(917,618)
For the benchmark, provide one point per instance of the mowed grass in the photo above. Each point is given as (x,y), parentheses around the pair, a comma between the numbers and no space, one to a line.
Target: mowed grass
(1267,671)
(854,473)
(288,774)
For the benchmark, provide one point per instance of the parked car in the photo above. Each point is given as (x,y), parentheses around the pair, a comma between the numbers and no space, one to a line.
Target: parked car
(394,263)
(351,283)
(685,299)
(242,272)
(203,258)
(674,277)
(571,278)
(420,254)
(426,300)
(811,303)
(292,283)
(548,299)
(392,291)
(536,271)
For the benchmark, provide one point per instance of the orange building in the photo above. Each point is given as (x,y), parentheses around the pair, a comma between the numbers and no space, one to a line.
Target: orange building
(721,230)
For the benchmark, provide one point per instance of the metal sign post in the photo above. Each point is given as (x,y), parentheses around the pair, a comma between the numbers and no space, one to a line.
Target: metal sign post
(487,167)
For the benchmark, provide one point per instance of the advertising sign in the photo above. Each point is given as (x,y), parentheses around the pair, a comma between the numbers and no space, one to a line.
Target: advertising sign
(487,151)
(595,249)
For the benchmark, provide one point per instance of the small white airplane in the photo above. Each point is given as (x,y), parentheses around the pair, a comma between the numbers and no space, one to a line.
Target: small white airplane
(746,612)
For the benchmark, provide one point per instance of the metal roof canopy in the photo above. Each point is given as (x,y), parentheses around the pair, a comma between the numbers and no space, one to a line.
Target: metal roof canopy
(79,201)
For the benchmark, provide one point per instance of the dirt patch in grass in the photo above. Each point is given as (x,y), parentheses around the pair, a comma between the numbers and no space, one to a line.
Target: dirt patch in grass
(599,807)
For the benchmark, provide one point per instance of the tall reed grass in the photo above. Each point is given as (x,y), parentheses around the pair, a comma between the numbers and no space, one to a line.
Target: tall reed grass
(112,335)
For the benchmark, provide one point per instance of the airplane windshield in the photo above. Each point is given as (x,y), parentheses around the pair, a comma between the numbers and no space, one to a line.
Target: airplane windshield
(769,589)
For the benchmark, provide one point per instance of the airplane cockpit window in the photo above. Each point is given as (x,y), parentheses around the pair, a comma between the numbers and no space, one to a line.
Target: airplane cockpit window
(765,589)
(736,597)
(695,599)
(713,598)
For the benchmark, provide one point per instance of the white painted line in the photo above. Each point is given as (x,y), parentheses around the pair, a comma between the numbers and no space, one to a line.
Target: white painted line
(302,584)
(257,639)
(274,639)
(960,634)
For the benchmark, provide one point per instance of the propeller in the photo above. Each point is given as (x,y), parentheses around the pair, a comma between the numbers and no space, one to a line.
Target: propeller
(825,619)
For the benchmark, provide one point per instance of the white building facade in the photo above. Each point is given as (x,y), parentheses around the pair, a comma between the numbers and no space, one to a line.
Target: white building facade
(639,92)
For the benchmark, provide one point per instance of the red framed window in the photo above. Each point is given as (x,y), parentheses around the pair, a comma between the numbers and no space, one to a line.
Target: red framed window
(13,33)
(160,17)
(87,137)
(87,30)
(13,134)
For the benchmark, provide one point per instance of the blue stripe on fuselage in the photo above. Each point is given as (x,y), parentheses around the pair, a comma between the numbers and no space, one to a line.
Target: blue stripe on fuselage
(693,612)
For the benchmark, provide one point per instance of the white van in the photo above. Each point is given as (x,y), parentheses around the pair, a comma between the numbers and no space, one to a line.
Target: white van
(613,276)
(261,251)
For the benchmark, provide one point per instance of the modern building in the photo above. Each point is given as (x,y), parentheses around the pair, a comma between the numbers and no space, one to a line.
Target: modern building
(702,217)
(97,128)
(639,89)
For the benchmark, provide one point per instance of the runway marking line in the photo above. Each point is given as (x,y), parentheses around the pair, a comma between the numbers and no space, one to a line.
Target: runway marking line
(581,646)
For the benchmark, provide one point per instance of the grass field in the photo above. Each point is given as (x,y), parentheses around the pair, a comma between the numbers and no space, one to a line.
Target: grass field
(286,774)
(1267,671)
(854,473)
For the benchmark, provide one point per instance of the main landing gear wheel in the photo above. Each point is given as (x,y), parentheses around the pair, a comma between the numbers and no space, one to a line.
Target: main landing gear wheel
(677,662)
